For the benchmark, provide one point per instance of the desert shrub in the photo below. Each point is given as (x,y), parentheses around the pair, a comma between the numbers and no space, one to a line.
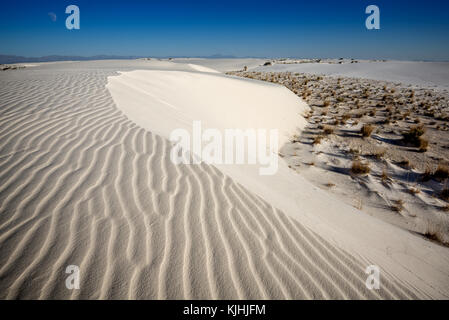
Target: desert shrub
(404,163)
(379,154)
(398,205)
(384,176)
(366,130)
(414,190)
(423,145)
(317,139)
(441,173)
(412,137)
(328,130)
(427,175)
(359,167)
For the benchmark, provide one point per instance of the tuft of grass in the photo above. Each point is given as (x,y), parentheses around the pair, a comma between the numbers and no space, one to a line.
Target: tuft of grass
(398,205)
(412,137)
(404,163)
(328,130)
(379,154)
(441,173)
(414,190)
(317,139)
(346,117)
(427,175)
(384,176)
(354,151)
(423,145)
(359,167)
(330,184)
(366,130)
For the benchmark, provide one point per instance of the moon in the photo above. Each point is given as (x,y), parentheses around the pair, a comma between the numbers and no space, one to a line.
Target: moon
(52,16)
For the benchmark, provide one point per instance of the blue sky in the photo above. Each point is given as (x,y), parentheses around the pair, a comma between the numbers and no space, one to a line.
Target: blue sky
(410,30)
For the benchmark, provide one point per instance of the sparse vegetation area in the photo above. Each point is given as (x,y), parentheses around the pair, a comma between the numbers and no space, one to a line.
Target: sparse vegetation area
(405,131)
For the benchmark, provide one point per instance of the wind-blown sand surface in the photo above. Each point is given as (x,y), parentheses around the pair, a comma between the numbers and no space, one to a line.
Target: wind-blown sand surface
(85,182)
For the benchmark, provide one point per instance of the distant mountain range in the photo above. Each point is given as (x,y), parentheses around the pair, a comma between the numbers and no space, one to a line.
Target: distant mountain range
(19,59)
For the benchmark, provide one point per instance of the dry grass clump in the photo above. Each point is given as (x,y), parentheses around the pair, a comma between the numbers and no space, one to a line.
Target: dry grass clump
(414,190)
(359,167)
(423,145)
(330,184)
(398,205)
(366,130)
(404,164)
(384,176)
(317,139)
(427,175)
(345,117)
(328,130)
(413,136)
(379,154)
(441,173)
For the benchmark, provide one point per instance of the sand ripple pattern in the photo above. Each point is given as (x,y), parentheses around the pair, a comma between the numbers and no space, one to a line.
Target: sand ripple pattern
(83,185)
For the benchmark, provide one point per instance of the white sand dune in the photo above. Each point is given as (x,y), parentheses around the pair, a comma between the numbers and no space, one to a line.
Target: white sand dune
(84,184)
(221,65)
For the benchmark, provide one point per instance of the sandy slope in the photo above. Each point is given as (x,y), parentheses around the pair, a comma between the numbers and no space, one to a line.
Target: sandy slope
(83,184)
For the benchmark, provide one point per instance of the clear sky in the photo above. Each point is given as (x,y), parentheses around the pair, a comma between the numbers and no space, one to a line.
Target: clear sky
(410,30)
